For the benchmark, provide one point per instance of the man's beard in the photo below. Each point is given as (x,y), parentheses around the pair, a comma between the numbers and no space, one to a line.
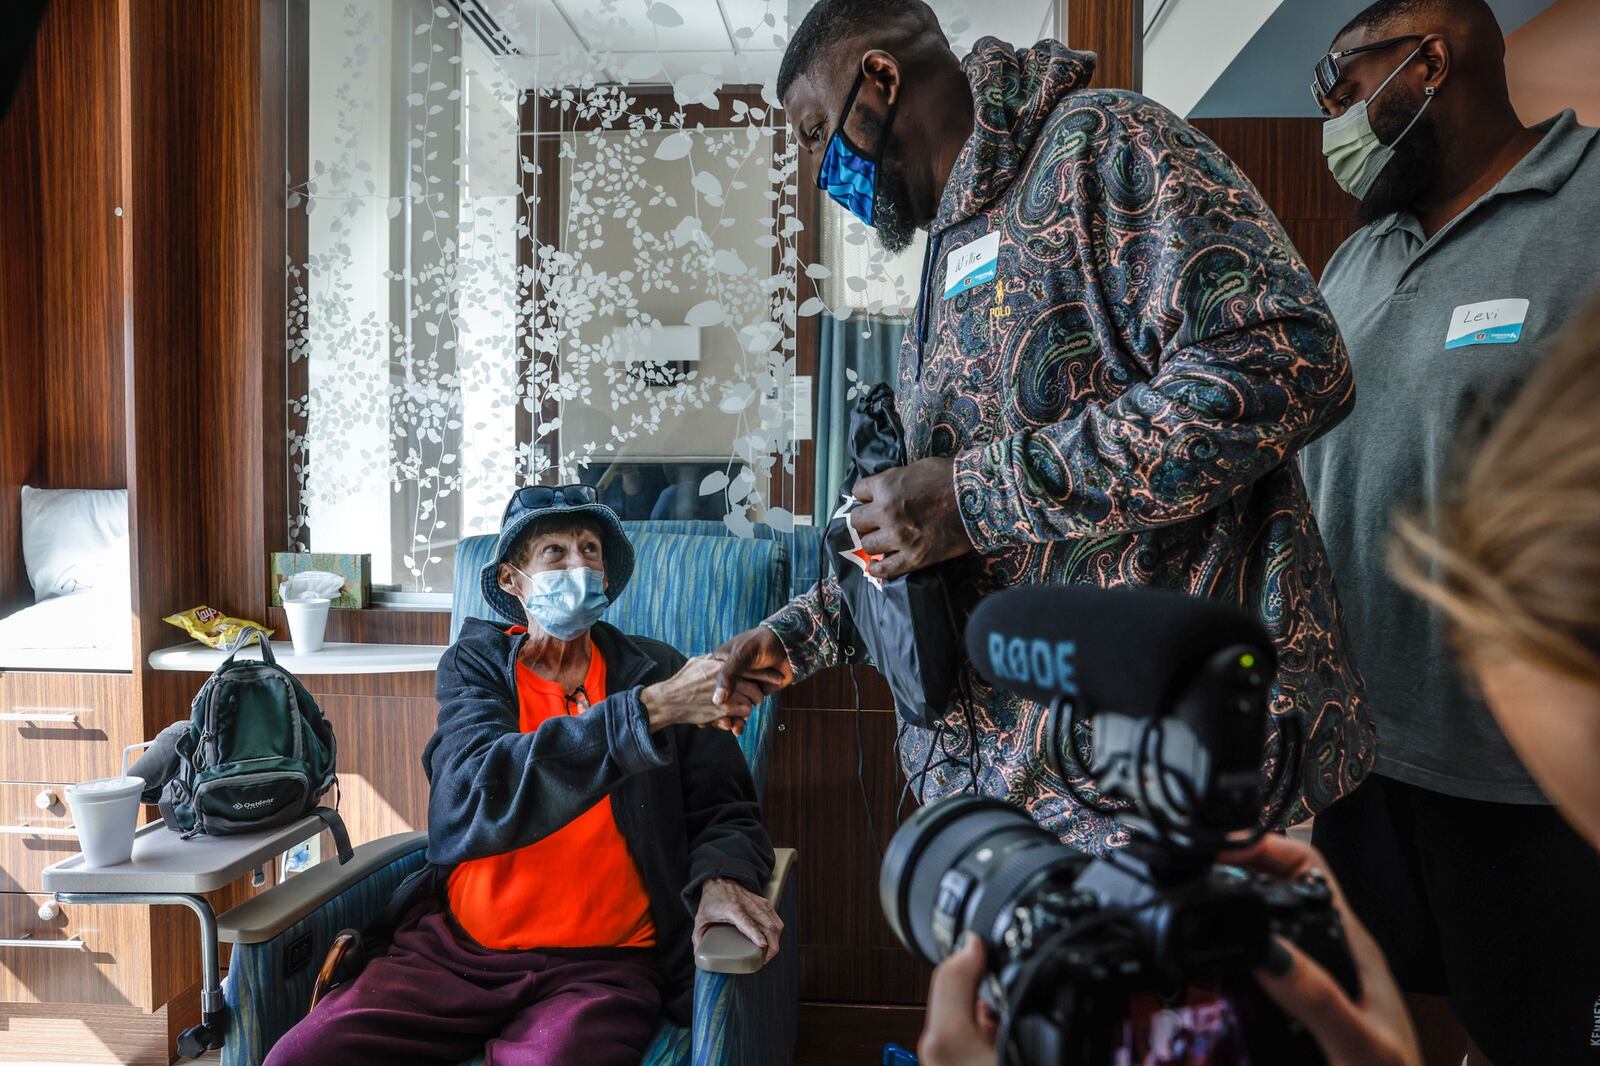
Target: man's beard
(892,216)
(1416,157)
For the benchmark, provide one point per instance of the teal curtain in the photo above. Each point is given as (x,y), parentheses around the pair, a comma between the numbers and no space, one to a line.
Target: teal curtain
(873,358)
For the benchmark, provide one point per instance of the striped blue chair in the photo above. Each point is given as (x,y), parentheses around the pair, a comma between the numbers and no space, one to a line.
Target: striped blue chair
(691,590)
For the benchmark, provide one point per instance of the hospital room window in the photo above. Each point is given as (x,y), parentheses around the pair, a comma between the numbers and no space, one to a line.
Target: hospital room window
(561,240)
(534,241)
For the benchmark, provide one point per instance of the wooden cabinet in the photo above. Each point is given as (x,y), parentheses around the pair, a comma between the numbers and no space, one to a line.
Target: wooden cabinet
(41,962)
(65,727)
(35,831)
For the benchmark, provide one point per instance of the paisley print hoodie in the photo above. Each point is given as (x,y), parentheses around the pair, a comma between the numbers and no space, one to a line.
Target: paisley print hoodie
(1124,401)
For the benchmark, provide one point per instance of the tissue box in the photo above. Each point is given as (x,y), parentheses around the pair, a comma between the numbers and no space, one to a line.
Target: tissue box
(355,569)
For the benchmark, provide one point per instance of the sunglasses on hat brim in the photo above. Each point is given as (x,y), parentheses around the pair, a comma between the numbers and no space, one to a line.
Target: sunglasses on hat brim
(540,497)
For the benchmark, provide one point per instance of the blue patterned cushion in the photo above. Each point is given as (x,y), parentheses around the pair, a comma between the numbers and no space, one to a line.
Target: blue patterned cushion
(801,545)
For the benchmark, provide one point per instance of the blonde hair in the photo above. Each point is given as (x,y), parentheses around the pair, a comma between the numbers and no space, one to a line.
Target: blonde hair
(1514,558)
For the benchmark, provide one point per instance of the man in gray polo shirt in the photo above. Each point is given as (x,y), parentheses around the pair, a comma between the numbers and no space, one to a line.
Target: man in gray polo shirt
(1481,236)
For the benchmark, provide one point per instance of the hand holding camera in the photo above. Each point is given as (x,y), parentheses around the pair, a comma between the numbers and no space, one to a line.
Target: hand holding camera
(1149,954)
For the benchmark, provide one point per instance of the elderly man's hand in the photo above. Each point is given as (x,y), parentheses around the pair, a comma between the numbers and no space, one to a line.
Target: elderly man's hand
(724,902)
(909,516)
(692,696)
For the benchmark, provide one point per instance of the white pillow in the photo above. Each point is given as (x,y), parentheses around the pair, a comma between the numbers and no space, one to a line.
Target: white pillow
(74,540)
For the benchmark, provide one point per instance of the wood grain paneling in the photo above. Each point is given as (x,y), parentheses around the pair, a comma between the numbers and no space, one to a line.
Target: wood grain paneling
(834,687)
(814,803)
(84,1033)
(81,173)
(375,626)
(382,788)
(1283,158)
(199,389)
(35,750)
(1114,30)
(837,1034)
(114,967)
(23,856)
(21,412)
(61,298)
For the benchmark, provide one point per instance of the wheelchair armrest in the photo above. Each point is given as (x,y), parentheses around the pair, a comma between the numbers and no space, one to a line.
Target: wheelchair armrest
(265,916)
(726,950)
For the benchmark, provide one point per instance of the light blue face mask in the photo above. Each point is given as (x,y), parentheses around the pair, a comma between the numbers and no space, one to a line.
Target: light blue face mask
(1355,155)
(567,602)
(847,174)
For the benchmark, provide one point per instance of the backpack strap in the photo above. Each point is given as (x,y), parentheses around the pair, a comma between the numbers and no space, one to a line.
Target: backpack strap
(168,815)
(335,824)
(244,642)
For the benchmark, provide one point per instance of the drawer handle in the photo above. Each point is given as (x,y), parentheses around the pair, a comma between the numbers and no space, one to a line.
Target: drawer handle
(69,717)
(27,830)
(74,943)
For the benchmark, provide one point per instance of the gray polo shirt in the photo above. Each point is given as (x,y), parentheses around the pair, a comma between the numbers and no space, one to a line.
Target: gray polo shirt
(1442,333)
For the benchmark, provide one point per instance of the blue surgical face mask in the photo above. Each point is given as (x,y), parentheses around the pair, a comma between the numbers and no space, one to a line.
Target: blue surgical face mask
(847,174)
(567,602)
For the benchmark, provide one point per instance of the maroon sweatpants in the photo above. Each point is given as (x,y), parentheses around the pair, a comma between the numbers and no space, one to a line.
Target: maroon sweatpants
(438,997)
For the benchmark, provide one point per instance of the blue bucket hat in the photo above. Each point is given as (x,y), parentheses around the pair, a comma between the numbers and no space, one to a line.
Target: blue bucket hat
(533,502)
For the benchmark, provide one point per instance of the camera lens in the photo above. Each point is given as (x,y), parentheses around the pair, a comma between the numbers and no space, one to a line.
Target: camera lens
(963,863)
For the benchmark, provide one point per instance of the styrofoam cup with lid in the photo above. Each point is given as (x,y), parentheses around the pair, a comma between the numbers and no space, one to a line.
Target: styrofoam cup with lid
(106,812)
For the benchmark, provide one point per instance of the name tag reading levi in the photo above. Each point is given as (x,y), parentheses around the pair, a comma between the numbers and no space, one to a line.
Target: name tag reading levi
(972,264)
(1489,322)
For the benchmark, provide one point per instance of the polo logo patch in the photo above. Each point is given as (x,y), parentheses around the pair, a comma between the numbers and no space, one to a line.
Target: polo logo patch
(1489,322)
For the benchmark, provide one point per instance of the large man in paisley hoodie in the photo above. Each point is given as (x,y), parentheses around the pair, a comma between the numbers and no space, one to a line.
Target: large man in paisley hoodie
(1119,405)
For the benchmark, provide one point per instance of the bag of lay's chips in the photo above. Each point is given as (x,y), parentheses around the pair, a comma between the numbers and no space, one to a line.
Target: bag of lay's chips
(217,630)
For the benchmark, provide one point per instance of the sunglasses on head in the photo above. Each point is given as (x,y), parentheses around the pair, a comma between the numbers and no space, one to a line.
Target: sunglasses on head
(538,497)
(1326,74)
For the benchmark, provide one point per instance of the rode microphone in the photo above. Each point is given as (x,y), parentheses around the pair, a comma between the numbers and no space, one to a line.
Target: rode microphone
(1174,688)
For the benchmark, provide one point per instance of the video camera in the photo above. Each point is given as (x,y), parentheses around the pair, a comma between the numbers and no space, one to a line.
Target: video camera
(1142,956)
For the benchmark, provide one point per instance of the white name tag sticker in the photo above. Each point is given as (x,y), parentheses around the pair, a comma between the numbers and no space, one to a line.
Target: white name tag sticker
(972,264)
(1489,322)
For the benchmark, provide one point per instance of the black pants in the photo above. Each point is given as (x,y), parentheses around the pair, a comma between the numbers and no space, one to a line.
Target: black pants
(1493,905)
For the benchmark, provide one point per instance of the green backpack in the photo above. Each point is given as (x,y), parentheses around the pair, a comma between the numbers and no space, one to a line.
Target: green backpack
(257,754)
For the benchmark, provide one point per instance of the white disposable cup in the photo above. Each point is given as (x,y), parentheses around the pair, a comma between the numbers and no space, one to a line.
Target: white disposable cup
(308,621)
(105,812)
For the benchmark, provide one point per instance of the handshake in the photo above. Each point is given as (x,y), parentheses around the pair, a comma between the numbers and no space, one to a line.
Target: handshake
(721,688)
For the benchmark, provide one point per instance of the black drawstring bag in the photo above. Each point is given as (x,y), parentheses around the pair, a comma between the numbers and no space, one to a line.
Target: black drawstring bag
(906,628)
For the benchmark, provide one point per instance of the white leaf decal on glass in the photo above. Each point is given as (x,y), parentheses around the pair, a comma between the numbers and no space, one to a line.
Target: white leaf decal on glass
(743,482)
(818,271)
(708,184)
(705,314)
(760,337)
(812,306)
(674,146)
(728,262)
(715,481)
(664,15)
(736,399)
(780,519)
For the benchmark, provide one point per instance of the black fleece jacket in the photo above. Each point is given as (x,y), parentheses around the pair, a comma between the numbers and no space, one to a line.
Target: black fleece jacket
(683,797)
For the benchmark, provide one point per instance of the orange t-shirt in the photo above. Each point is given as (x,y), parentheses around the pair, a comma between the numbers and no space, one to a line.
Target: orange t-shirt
(578,887)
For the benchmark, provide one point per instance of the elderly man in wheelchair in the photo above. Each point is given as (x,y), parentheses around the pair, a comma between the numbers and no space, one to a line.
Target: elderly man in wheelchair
(585,828)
